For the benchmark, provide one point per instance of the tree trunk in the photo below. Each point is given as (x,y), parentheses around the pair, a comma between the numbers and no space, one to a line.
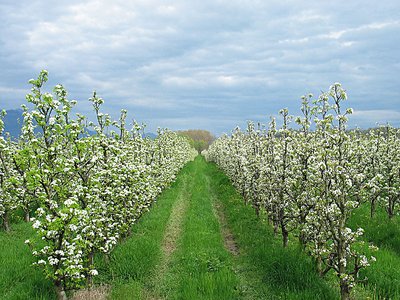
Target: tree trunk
(6,222)
(390,211)
(61,295)
(344,291)
(302,235)
(318,263)
(341,255)
(373,207)
(257,208)
(285,236)
(90,262)
(302,240)
(276,226)
(128,232)
(27,216)
(246,201)
(390,207)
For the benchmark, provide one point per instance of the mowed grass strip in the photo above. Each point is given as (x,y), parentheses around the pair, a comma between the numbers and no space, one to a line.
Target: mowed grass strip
(171,236)
(266,270)
(201,267)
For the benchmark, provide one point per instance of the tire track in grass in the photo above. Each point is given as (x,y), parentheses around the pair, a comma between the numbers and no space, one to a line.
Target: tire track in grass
(229,242)
(174,227)
(227,236)
(171,235)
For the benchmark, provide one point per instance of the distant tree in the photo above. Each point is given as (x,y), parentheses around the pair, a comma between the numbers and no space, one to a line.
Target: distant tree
(198,138)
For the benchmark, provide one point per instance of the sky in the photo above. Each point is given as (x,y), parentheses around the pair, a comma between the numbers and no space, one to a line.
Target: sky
(209,64)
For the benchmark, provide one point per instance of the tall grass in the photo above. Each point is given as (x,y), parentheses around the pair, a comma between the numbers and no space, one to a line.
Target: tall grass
(18,279)
(384,274)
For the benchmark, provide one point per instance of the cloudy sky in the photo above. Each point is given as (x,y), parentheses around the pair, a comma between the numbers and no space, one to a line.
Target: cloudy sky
(210,64)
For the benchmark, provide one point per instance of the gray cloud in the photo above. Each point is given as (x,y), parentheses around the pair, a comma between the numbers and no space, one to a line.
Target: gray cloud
(208,64)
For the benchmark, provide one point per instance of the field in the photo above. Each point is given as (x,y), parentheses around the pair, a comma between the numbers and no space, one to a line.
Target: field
(200,241)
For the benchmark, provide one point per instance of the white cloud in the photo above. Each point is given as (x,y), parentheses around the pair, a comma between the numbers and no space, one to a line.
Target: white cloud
(186,82)
(150,103)
(365,27)
(375,117)
(227,80)
(295,41)
(4,89)
(167,10)
(184,58)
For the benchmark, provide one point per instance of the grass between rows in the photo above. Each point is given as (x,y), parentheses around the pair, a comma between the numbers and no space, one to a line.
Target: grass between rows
(201,268)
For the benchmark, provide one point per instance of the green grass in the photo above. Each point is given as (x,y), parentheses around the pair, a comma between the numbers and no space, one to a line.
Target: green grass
(18,279)
(201,268)
(384,274)
(380,230)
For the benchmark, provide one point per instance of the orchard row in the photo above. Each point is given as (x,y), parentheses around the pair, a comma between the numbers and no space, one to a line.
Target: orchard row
(85,190)
(310,178)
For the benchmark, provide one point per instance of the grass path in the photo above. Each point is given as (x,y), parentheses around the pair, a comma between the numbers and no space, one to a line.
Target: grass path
(228,238)
(201,267)
(171,235)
